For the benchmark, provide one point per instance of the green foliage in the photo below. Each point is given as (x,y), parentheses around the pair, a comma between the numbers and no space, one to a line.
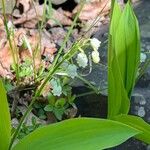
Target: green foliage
(26,69)
(124,55)
(58,108)
(5,121)
(7,84)
(72,71)
(26,129)
(81,133)
(123,61)
(56,87)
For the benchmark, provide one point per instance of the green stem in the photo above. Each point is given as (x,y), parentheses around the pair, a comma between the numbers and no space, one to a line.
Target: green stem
(88,83)
(10,43)
(89,93)
(85,94)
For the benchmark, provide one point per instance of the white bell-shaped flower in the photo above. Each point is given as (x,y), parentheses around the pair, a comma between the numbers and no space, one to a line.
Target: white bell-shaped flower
(95,57)
(82,60)
(95,43)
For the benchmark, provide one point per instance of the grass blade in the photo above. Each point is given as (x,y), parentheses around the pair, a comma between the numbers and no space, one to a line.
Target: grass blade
(5,121)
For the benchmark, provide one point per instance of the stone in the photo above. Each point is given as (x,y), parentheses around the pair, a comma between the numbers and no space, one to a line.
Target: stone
(139,99)
(141,112)
(14,122)
(148,147)
(148,47)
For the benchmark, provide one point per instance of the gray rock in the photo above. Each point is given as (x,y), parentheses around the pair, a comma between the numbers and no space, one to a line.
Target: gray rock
(145,30)
(141,112)
(148,147)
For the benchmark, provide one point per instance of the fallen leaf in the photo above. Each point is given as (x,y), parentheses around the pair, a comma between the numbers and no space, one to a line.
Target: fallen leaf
(33,14)
(29,119)
(60,16)
(91,10)
(1,22)
(6,60)
(25,4)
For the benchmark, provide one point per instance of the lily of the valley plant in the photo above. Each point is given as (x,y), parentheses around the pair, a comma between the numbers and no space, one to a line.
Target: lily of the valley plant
(123,62)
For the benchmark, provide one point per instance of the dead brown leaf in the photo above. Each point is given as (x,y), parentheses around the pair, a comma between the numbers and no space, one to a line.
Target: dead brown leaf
(60,16)
(46,48)
(6,60)
(93,9)
(25,4)
(33,14)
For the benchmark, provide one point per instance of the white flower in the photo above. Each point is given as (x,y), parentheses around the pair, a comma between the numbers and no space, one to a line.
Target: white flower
(142,57)
(95,43)
(82,60)
(95,57)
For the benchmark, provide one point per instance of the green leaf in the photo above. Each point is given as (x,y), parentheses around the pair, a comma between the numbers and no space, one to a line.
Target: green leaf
(60,103)
(115,18)
(118,101)
(72,71)
(137,123)
(48,108)
(124,56)
(56,86)
(5,121)
(59,113)
(81,134)
(127,47)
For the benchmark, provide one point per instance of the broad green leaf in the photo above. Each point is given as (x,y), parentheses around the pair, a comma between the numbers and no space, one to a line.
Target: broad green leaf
(5,121)
(115,18)
(77,134)
(124,55)
(117,94)
(127,47)
(137,123)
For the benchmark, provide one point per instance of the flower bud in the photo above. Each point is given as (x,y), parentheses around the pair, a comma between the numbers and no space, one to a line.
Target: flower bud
(95,57)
